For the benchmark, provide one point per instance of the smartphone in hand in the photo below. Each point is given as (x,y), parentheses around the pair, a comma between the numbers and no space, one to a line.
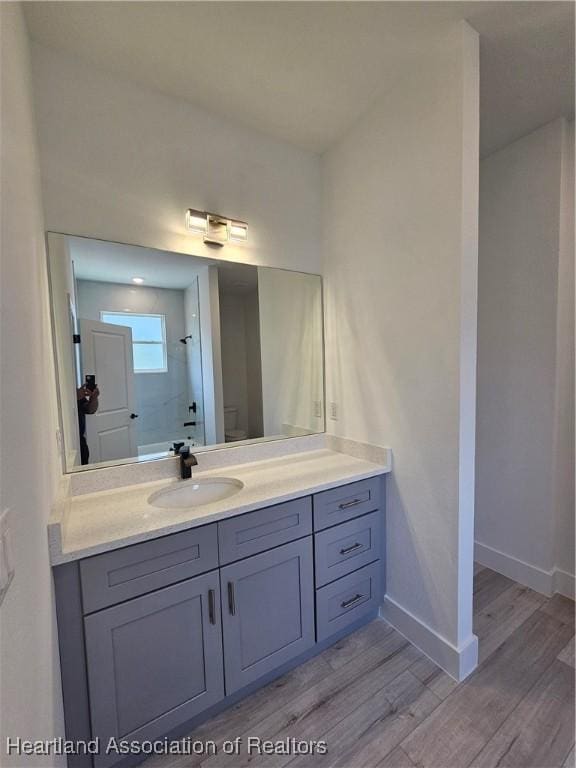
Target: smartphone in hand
(90,383)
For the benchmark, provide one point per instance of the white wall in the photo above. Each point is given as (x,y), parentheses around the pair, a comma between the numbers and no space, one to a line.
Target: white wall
(61,280)
(241,364)
(565,469)
(290,309)
(211,355)
(30,704)
(400,218)
(194,359)
(254,364)
(233,349)
(161,398)
(121,162)
(525,438)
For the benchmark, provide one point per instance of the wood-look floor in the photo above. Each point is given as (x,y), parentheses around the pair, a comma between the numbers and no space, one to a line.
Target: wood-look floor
(377,701)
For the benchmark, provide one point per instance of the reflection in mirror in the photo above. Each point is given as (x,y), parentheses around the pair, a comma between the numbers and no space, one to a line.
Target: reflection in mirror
(155,348)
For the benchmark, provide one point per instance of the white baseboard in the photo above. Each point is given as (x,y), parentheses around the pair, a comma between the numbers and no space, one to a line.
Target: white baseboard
(457,662)
(524,573)
(538,579)
(564,583)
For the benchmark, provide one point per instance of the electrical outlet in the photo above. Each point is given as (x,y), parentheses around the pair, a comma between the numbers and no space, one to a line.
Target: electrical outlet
(317,408)
(6,554)
(334,411)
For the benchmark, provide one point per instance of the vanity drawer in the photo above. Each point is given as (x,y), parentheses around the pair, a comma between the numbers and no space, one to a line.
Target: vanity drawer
(132,571)
(255,532)
(340,504)
(347,547)
(350,598)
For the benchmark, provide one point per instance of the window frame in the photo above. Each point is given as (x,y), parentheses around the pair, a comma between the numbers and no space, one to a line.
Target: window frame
(163,343)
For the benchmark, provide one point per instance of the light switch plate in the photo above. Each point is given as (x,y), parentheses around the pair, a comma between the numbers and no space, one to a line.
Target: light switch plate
(6,554)
(334,411)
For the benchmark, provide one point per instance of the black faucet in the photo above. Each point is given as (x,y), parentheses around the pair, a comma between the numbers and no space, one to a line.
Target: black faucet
(187,461)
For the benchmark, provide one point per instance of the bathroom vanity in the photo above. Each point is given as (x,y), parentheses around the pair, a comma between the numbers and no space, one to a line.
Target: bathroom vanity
(160,634)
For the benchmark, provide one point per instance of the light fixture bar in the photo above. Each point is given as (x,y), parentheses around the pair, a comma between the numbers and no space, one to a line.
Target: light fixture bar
(216,229)
(196,221)
(238,231)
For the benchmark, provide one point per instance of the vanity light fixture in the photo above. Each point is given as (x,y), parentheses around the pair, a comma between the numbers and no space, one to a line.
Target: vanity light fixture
(196,221)
(215,229)
(138,280)
(238,231)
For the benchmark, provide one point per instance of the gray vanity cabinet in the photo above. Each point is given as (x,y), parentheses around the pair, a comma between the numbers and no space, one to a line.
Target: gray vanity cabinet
(267,611)
(154,661)
(156,636)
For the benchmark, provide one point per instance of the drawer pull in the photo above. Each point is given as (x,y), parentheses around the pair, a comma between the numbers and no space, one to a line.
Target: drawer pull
(351,601)
(347,504)
(347,550)
(231,599)
(211,601)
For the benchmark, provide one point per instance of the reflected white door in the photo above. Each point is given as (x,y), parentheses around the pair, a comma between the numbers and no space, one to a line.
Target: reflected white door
(107,353)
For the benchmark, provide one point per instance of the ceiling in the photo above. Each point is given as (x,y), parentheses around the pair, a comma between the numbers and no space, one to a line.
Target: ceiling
(107,262)
(303,72)
(117,263)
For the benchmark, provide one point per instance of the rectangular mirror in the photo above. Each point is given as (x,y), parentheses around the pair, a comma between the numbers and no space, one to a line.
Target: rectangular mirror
(155,348)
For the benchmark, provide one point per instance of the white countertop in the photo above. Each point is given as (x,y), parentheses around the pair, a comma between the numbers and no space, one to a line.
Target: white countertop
(99,522)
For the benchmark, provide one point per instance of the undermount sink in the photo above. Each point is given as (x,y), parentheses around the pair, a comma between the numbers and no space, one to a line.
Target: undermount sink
(194,493)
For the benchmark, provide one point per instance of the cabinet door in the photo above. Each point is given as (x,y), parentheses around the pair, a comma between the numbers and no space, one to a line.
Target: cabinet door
(267,611)
(154,662)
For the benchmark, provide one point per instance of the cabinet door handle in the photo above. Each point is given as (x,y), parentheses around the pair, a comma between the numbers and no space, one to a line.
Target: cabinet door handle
(231,599)
(346,550)
(211,605)
(351,601)
(346,504)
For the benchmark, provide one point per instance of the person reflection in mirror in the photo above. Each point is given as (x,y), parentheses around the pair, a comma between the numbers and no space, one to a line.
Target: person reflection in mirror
(87,404)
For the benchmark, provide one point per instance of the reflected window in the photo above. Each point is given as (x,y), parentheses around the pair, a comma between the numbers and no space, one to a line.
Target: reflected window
(148,339)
